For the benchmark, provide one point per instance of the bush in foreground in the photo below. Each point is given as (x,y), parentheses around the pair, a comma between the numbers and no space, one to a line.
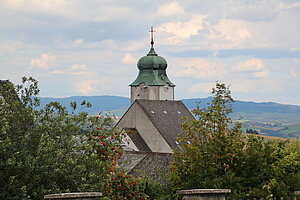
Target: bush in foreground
(214,154)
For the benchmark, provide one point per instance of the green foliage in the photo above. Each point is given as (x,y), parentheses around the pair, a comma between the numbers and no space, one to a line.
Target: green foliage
(158,189)
(214,154)
(124,186)
(50,150)
(209,148)
(118,184)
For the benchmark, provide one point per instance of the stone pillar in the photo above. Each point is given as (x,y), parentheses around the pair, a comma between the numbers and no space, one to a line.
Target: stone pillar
(297,195)
(74,196)
(204,194)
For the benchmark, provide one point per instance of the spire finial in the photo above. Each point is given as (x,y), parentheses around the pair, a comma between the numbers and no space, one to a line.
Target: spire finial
(152,31)
(152,51)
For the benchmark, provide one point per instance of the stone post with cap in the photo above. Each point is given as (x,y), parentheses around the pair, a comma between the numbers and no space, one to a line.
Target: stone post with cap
(74,196)
(204,194)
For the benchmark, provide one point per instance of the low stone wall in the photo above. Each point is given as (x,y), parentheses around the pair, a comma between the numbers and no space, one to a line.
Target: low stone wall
(204,194)
(74,196)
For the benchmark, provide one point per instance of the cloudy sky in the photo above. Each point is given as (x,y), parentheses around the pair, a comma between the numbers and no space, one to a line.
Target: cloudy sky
(91,47)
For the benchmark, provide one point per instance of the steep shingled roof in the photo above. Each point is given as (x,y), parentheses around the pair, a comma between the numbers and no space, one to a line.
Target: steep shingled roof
(137,139)
(151,164)
(167,117)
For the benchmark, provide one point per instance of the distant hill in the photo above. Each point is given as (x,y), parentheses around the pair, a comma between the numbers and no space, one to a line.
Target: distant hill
(266,111)
(261,112)
(271,119)
(99,103)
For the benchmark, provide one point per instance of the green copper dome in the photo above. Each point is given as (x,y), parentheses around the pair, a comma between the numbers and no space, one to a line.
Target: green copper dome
(152,61)
(152,70)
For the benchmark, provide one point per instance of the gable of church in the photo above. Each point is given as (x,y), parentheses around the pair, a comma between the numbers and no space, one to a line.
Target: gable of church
(154,124)
(167,117)
(137,118)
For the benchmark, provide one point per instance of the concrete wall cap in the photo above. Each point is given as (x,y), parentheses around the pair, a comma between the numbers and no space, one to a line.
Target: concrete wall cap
(203,191)
(73,195)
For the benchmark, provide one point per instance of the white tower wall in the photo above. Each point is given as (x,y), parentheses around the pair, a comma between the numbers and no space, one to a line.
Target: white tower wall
(144,91)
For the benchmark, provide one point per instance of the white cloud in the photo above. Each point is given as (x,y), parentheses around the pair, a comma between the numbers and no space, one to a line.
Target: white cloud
(59,72)
(199,68)
(113,13)
(185,30)
(238,87)
(44,62)
(128,59)
(283,5)
(202,87)
(294,49)
(261,74)
(50,7)
(229,33)
(262,86)
(78,67)
(295,74)
(34,3)
(10,47)
(76,73)
(86,86)
(79,42)
(169,9)
(179,31)
(253,65)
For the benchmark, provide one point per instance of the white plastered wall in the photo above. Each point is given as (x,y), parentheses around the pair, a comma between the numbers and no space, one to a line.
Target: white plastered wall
(136,118)
(143,91)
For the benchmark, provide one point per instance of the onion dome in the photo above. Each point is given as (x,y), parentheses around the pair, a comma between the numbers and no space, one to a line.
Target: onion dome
(152,61)
(152,69)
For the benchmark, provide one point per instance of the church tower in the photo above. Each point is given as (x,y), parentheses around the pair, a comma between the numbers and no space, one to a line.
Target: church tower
(154,119)
(152,82)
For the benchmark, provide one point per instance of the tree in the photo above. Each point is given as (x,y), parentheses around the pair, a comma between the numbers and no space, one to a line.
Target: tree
(213,153)
(49,150)
(209,148)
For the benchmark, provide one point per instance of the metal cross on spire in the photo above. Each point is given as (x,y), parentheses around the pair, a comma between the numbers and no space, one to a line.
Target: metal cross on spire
(152,31)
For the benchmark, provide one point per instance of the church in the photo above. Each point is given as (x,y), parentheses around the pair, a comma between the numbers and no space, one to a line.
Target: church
(154,118)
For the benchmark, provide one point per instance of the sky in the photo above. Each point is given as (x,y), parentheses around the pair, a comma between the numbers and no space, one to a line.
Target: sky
(91,47)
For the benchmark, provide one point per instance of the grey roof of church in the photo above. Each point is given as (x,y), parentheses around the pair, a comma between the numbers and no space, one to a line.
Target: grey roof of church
(137,139)
(167,117)
(151,164)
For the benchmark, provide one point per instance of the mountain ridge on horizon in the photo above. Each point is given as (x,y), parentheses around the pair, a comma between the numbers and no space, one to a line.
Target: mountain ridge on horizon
(117,105)
(192,98)
(259,116)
